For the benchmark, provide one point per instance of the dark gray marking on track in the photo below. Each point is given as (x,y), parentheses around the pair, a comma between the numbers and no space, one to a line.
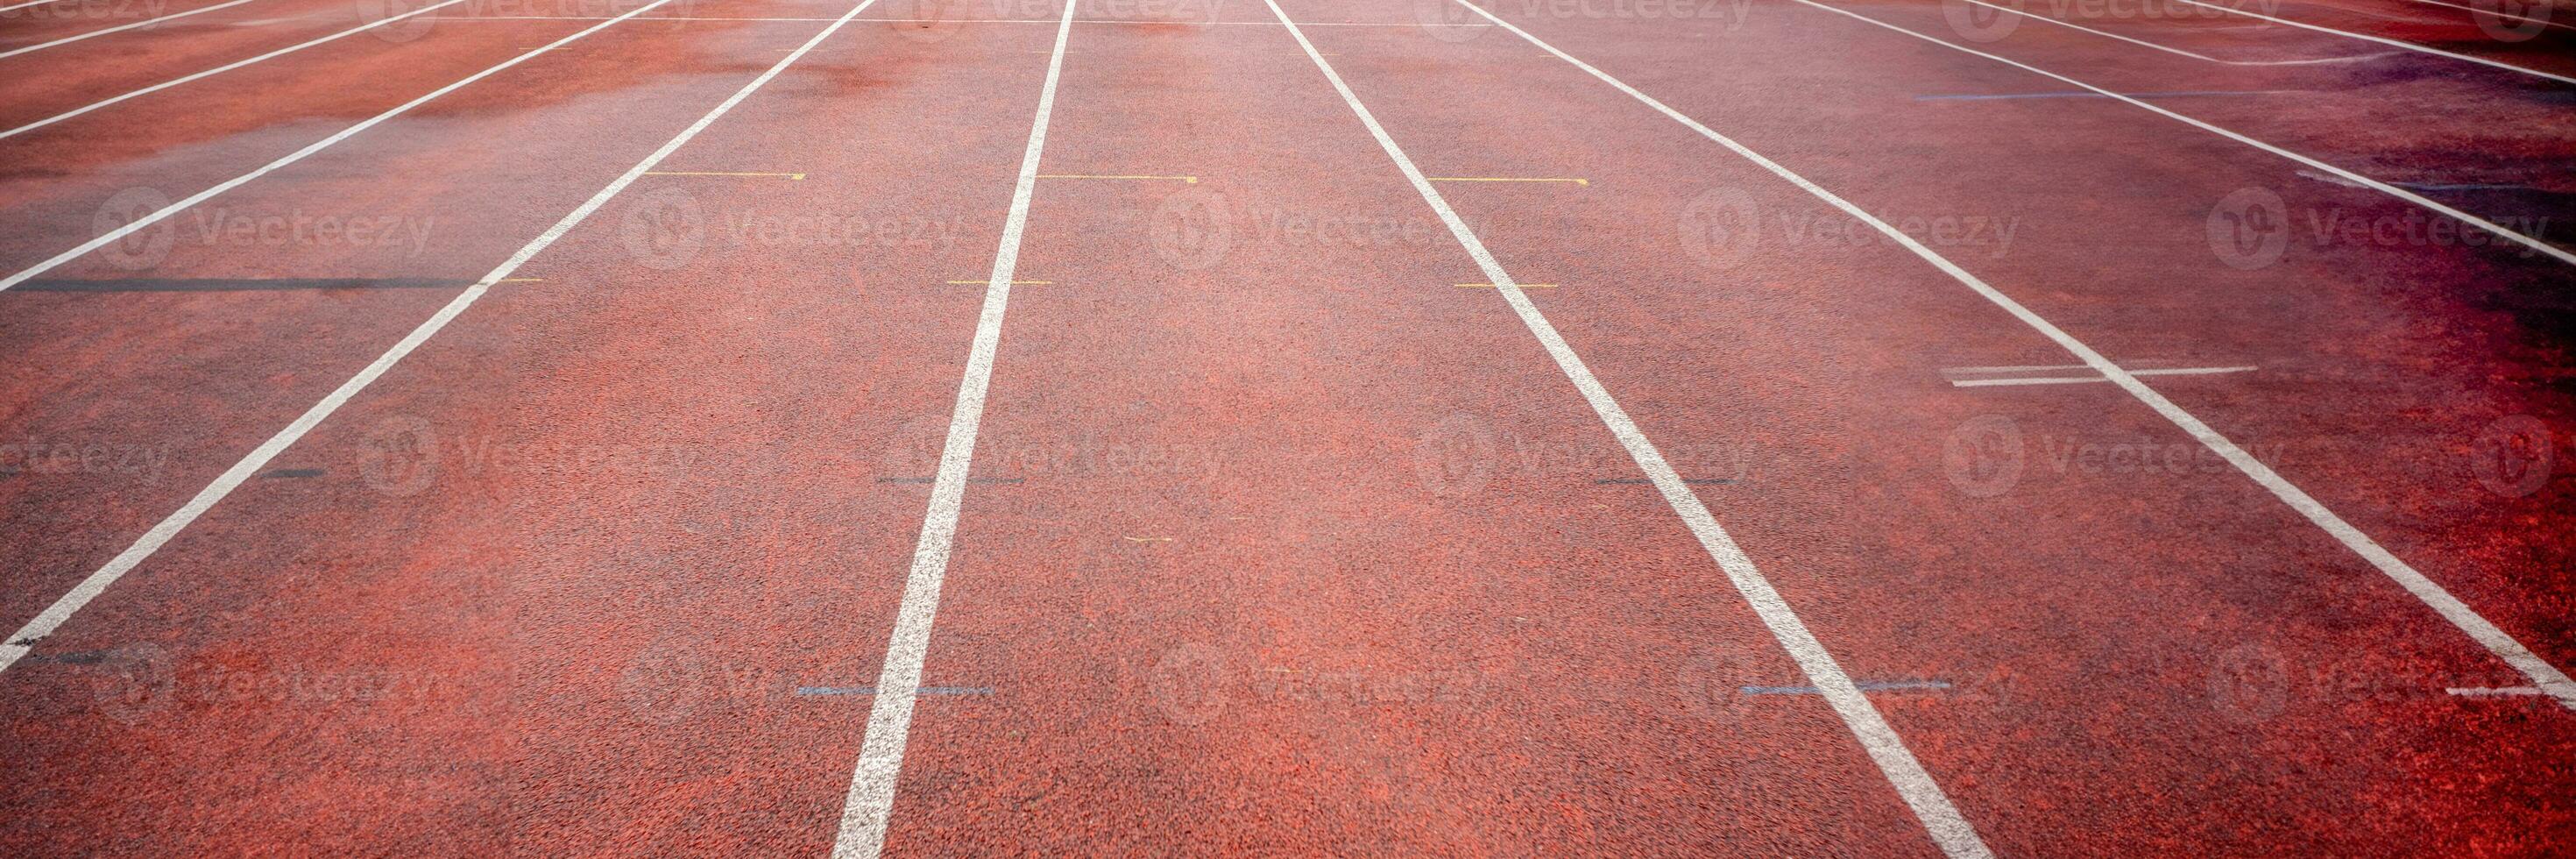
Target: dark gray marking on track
(294,472)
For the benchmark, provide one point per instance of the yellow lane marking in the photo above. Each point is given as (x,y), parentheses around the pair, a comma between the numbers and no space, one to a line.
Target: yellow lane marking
(1574,179)
(522,280)
(1190,179)
(792,177)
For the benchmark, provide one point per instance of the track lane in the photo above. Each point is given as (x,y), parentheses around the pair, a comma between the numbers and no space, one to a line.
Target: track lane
(2494,148)
(2510,53)
(2007,597)
(495,524)
(2244,313)
(30,36)
(400,221)
(1310,547)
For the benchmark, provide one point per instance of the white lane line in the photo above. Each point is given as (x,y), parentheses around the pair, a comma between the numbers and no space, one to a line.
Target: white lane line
(870,803)
(469,19)
(2486,634)
(2495,13)
(1129,21)
(2500,231)
(2014,96)
(27,4)
(2410,46)
(2172,50)
(20,642)
(1941,820)
(2496,692)
(2072,380)
(298,155)
(215,71)
(119,29)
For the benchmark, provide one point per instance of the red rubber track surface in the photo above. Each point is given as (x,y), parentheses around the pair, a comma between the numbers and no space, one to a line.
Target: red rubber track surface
(1283,535)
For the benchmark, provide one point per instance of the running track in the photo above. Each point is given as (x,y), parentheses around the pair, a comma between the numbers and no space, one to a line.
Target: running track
(1287,427)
